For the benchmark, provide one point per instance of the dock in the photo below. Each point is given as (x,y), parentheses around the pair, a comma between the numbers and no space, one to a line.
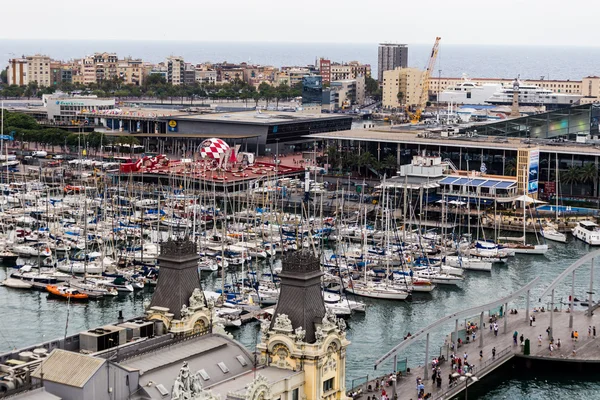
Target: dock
(585,350)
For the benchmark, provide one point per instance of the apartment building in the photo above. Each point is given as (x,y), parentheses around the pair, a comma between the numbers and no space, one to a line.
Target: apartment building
(175,70)
(325,69)
(38,70)
(17,72)
(106,66)
(351,70)
(391,56)
(406,81)
(131,71)
(205,76)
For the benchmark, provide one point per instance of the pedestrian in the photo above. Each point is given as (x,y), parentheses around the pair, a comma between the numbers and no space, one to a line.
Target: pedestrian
(551,347)
(558,344)
(515,335)
(589,331)
(521,338)
(594,330)
(493,352)
(531,320)
(539,340)
(548,331)
(572,335)
(465,356)
(480,355)
(473,336)
(576,336)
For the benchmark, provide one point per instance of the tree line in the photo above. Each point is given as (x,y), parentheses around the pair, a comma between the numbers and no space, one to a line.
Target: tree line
(25,130)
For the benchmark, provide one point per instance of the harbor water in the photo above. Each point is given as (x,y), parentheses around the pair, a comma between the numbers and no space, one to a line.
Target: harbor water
(31,317)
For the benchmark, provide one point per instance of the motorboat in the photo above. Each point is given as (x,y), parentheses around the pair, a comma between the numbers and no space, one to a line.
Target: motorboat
(16,283)
(66,292)
(469,92)
(532,95)
(551,233)
(587,231)
(439,278)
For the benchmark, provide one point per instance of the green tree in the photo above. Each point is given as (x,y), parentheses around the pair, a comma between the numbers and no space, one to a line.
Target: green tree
(589,174)
(4,76)
(372,88)
(570,177)
(266,92)
(400,97)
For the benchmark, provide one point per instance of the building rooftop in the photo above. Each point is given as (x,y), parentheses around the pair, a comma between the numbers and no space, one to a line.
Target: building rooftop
(417,136)
(241,383)
(259,118)
(202,354)
(68,368)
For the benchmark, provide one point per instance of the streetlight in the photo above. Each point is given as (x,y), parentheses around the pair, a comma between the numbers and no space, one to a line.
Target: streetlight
(466,378)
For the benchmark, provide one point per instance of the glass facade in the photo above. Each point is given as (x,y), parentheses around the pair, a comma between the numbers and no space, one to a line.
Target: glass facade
(567,123)
(312,89)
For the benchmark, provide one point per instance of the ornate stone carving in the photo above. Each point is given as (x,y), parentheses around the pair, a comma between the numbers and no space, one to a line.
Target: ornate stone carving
(283,323)
(319,334)
(188,386)
(185,312)
(341,325)
(197,299)
(264,327)
(178,248)
(300,334)
(329,321)
(259,389)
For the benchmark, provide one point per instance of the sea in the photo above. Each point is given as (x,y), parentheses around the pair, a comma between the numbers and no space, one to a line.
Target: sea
(477,61)
(31,317)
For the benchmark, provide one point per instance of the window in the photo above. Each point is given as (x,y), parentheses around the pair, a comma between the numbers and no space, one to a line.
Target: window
(295,395)
(328,385)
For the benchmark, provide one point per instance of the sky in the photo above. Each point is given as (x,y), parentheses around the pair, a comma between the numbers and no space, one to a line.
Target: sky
(512,22)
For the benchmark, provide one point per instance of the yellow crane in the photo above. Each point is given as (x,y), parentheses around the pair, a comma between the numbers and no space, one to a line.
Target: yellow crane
(416,117)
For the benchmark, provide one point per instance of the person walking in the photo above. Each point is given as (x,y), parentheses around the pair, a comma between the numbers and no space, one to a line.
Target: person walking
(572,335)
(558,344)
(493,352)
(594,330)
(465,356)
(531,320)
(551,348)
(515,335)
(521,338)
(480,355)
(539,340)
(576,336)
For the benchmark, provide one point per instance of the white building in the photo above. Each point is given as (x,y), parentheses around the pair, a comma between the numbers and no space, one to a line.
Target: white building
(17,72)
(62,107)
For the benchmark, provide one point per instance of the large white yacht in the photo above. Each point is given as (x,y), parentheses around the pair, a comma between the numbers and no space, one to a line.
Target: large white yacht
(469,92)
(587,231)
(531,95)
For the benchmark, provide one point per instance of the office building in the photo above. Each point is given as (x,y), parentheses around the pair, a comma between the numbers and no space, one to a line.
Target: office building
(312,89)
(391,56)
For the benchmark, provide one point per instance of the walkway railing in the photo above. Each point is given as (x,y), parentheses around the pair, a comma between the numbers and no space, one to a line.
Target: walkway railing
(458,385)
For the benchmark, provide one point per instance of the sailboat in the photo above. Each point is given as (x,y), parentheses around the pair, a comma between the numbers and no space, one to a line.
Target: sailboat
(550,232)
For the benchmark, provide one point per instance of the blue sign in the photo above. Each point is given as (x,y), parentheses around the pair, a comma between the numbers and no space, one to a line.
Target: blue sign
(275,129)
(534,168)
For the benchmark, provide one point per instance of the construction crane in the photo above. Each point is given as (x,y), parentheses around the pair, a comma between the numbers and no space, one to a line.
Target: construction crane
(416,116)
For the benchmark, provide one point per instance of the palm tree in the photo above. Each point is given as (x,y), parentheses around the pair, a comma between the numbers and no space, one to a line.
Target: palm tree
(589,173)
(400,96)
(510,168)
(571,176)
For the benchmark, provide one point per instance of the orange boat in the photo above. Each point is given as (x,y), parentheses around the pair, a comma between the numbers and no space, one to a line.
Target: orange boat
(66,292)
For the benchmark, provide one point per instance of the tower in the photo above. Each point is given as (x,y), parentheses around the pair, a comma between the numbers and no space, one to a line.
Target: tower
(389,57)
(303,336)
(178,299)
(514,110)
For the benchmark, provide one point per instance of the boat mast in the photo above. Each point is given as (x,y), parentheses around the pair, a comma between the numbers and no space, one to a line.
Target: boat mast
(556,188)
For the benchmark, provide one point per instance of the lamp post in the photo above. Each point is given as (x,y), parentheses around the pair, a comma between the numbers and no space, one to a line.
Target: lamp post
(466,378)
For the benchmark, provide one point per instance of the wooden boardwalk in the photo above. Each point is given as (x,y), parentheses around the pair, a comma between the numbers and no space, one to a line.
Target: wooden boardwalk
(586,349)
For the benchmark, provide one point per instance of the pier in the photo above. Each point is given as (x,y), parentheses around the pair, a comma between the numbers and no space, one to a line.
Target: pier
(551,322)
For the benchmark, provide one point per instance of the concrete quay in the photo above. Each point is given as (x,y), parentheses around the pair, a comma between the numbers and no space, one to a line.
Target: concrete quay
(584,350)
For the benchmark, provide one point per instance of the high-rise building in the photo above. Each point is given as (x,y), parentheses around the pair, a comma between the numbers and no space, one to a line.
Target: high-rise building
(17,72)
(325,69)
(312,89)
(391,56)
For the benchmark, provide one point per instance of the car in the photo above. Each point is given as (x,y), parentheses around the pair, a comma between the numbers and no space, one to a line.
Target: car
(58,157)
(39,153)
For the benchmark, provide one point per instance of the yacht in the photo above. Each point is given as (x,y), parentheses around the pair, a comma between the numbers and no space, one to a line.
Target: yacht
(587,231)
(469,92)
(531,95)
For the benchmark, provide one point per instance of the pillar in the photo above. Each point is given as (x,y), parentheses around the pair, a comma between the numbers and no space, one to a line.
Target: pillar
(505,317)
(571,303)
(552,315)
(425,370)
(395,370)
(398,154)
(591,297)
(481,330)
(378,151)
(456,336)
(527,307)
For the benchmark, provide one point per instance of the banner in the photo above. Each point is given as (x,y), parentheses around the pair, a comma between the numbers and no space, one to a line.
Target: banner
(534,167)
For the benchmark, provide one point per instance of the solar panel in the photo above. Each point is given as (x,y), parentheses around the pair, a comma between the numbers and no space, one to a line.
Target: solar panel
(477,182)
(448,180)
(505,185)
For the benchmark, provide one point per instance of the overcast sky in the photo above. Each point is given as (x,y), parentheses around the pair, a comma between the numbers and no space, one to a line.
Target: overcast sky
(537,22)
